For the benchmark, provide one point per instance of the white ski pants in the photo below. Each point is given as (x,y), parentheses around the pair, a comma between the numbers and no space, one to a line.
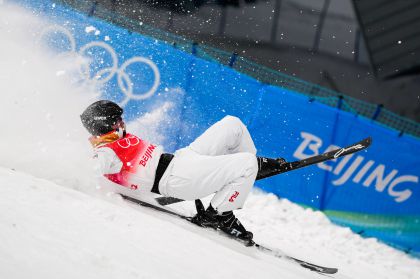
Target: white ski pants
(222,160)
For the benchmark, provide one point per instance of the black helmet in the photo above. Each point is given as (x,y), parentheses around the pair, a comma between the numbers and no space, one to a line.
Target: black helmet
(100,116)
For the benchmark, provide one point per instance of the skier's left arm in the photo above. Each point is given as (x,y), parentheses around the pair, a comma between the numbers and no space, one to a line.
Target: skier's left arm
(106,161)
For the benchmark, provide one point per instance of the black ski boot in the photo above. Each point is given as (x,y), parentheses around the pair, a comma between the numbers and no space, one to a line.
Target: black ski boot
(229,224)
(205,218)
(226,222)
(268,166)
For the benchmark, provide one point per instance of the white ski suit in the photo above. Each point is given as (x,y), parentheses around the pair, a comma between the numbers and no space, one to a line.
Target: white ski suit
(222,160)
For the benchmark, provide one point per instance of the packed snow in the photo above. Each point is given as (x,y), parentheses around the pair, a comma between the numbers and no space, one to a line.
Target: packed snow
(55,222)
(52,231)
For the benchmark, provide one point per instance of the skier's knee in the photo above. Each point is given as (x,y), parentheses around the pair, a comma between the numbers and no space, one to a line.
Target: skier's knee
(235,125)
(233,121)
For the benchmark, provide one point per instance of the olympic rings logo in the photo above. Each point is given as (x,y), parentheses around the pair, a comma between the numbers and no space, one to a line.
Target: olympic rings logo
(104,75)
(129,141)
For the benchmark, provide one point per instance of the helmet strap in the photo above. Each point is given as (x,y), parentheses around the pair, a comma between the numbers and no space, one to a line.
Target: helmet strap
(121,132)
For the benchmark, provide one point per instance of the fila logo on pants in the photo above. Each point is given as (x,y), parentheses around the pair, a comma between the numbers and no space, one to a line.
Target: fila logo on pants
(234,196)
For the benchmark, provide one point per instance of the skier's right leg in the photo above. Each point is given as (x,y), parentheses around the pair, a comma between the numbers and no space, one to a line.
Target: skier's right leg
(231,177)
(222,161)
(192,176)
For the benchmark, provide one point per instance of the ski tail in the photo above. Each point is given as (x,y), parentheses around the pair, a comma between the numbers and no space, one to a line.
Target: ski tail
(167,200)
(152,206)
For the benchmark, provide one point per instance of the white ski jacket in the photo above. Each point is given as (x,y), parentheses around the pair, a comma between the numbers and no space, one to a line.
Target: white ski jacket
(130,162)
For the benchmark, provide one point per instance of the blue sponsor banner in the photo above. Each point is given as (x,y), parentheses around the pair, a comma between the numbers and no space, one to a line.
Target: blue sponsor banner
(387,171)
(213,92)
(376,192)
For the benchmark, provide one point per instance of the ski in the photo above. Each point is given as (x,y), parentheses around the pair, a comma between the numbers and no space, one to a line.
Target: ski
(333,154)
(167,200)
(275,253)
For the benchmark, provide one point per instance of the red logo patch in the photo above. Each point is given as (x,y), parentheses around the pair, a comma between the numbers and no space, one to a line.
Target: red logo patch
(234,196)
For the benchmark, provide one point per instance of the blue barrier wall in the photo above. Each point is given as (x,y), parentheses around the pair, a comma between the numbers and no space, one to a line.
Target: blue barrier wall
(375,192)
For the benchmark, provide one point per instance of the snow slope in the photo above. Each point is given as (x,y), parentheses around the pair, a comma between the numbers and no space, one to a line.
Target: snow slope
(56,223)
(50,231)
(54,232)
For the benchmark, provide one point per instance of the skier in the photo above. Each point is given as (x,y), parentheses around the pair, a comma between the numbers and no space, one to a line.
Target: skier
(222,161)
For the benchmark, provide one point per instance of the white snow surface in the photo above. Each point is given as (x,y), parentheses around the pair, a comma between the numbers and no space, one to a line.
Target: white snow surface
(55,222)
(51,231)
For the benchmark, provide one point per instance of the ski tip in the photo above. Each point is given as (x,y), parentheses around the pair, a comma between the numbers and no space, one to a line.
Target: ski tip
(365,143)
